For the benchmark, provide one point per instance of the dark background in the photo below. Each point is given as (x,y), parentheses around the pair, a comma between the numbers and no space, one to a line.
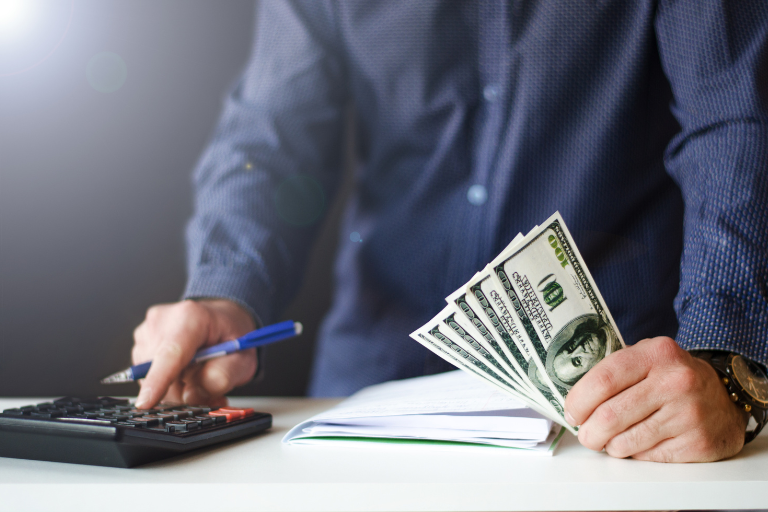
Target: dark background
(95,187)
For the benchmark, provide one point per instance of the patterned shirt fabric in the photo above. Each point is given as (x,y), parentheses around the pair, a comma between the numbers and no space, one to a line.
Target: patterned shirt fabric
(645,123)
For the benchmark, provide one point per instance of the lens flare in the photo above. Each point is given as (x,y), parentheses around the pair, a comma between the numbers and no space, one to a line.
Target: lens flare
(15,17)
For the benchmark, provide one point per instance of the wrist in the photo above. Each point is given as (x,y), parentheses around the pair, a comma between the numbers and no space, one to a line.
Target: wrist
(745,383)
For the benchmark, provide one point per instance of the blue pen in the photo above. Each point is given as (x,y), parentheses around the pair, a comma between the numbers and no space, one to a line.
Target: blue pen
(257,338)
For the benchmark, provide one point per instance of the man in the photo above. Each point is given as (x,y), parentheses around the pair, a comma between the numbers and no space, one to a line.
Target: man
(578,347)
(643,123)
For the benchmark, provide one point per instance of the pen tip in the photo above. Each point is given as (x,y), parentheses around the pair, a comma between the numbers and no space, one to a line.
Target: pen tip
(117,378)
(298,327)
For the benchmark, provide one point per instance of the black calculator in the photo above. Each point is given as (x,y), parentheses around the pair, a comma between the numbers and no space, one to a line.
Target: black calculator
(106,431)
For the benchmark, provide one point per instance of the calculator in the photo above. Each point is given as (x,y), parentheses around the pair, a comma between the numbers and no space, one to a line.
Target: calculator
(106,431)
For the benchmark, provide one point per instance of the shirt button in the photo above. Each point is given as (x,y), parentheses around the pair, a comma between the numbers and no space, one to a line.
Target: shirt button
(490,93)
(477,195)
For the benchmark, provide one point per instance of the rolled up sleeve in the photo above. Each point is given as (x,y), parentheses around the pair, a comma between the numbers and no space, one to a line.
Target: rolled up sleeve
(715,55)
(273,165)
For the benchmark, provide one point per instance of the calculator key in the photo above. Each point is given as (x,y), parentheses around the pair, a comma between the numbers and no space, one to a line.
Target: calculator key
(67,400)
(108,400)
(229,415)
(217,420)
(153,418)
(115,418)
(50,413)
(180,414)
(143,421)
(95,401)
(203,408)
(125,424)
(201,421)
(194,411)
(13,412)
(28,409)
(162,407)
(246,411)
(44,406)
(180,426)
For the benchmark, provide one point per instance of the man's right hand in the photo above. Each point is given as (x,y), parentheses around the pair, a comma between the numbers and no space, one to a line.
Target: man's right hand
(170,336)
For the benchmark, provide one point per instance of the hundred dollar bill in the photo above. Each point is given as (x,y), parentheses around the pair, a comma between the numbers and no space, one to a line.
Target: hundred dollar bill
(543,279)
(468,331)
(470,320)
(484,297)
(463,363)
(433,338)
(448,326)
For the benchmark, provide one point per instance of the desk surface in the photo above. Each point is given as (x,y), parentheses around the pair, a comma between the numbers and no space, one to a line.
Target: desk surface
(261,474)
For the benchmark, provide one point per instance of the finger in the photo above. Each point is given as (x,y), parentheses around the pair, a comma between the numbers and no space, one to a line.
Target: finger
(608,378)
(218,376)
(173,355)
(687,447)
(663,424)
(175,393)
(196,395)
(193,393)
(620,413)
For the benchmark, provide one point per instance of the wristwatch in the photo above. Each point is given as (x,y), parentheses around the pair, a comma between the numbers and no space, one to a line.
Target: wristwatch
(746,382)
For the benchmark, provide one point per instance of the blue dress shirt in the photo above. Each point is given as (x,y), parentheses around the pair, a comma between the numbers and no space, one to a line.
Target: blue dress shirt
(644,123)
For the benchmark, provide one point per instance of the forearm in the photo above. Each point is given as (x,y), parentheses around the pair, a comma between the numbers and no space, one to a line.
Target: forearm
(273,165)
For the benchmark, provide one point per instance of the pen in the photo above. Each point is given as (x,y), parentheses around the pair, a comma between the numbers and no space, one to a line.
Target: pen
(257,338)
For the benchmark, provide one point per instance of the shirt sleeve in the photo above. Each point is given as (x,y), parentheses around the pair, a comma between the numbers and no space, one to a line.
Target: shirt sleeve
(274,162)
(715,55)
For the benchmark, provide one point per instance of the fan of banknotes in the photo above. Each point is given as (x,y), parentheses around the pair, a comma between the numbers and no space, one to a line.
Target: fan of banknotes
(531,323)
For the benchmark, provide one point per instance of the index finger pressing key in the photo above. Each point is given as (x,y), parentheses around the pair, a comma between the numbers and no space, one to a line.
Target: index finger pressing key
(609,377)
(169,361)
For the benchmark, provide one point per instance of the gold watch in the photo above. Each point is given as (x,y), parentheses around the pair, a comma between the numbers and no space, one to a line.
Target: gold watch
(746,382)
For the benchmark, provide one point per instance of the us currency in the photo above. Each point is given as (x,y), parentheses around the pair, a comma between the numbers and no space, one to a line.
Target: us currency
(484,296)
(452,357)
(497,339)
(431,336)
(452,353)
(462,330)
(465,324)
(447,326)
(544,281)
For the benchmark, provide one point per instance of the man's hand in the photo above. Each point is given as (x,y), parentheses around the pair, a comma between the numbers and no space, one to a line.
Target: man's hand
(654,401)
(170,336)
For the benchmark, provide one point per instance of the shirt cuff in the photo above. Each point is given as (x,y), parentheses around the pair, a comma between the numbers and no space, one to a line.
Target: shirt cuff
(720,322)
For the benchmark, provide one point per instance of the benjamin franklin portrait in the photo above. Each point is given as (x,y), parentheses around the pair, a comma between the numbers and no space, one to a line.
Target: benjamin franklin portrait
(580,345)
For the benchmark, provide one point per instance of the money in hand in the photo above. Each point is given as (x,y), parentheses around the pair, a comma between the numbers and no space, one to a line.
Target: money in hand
(531,323)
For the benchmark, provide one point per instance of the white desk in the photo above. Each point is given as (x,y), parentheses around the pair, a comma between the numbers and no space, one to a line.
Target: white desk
(261,474)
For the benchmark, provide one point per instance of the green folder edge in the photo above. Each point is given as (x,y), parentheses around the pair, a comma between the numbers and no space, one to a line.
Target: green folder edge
(387,440)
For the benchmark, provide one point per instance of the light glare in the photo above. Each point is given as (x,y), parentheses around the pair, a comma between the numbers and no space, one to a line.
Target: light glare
(15,16)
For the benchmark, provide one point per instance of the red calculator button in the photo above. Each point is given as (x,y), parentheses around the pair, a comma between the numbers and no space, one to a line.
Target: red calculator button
(228,415)
(246,411)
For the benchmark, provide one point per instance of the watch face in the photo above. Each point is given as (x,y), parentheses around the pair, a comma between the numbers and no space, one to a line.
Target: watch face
(751,378)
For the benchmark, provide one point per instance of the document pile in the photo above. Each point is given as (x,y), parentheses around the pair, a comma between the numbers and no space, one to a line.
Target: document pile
(449,408)
(532,323)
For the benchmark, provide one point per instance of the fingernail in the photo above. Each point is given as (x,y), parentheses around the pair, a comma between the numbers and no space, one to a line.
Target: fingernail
(570,419)
(145,397)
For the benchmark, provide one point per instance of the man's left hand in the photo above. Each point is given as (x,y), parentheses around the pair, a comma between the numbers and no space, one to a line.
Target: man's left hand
(654,401)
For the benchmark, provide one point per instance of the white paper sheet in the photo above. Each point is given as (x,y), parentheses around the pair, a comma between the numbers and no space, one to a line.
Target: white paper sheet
(451,407)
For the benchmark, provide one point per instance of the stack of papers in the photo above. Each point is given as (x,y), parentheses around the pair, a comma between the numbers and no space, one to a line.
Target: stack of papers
(449,408)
